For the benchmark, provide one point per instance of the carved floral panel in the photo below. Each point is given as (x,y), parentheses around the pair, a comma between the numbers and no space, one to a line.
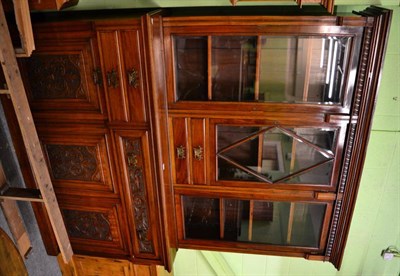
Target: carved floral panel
(56,77)
(87,225)
(135,165)
(73,162)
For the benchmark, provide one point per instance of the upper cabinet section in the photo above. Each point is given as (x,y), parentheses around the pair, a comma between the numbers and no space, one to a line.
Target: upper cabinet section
(290,69)
(267,64)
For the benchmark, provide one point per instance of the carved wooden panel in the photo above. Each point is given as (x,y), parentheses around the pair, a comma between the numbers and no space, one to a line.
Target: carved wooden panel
(134,162)
(94,224)
(74,162)
(88,225)
(135,157)
(56,77)
(62,74)
(78,162)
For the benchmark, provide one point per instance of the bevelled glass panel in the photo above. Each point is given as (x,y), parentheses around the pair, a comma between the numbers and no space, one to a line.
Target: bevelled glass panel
(276,154)
(191,68)
(233,68)
(303,69)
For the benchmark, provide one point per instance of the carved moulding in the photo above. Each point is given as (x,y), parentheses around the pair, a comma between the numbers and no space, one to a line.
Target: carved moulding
(372,56)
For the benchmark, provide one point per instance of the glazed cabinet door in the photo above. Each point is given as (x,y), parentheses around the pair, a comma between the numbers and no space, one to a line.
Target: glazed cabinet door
(262,222)
(257,153)
(136,167)
(122,61)
(63,76)
(268,68)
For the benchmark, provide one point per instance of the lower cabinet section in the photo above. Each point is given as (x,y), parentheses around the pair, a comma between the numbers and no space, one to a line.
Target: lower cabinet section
(95,225)
(85,265)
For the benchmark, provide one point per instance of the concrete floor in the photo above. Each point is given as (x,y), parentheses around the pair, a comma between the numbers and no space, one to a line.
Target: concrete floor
(38,263)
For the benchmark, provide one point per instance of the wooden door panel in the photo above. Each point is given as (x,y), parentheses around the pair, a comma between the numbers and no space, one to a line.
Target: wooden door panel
(59,76)
(79,163)
(110,53)
(134,77)
(95,224)
(198,134)
(122,65)
(135,168)
(180,145)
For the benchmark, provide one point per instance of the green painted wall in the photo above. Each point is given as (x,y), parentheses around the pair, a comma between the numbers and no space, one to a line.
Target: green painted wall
(376,220)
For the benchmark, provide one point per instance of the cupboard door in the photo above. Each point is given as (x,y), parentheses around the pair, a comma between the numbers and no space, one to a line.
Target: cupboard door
(122,60)
(79,163)
(63,72)
(95,225)
(180,144)
(199,149)
(265,67)
(136,171)
(190,148)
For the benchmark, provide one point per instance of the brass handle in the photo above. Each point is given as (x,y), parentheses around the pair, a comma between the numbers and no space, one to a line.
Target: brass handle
(181,152)
(97,78)
(112,79)
(198,153)
(133,78)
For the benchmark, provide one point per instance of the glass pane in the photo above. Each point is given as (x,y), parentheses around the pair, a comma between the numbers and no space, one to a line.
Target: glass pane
(303,69)
(274,155)
(233,68)
(281,223)
(254,221)
(201,217)
(191,68)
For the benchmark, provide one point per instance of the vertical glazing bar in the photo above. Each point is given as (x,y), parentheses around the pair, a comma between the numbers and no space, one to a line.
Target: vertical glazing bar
(209,67)
(309,45)
(222,218)
(290,222)
(251,212)
(258,63)
(260,152)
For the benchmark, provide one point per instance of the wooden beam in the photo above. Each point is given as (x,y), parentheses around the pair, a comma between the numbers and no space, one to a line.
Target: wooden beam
(15,221)
(4,91)
(23,18)
(23,194)
(30,137)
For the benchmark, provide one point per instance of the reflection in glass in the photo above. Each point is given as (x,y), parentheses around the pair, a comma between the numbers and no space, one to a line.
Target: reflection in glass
(254,221)
(233,68)
(290,69)
(275,154)
(191,68)
(303,69)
